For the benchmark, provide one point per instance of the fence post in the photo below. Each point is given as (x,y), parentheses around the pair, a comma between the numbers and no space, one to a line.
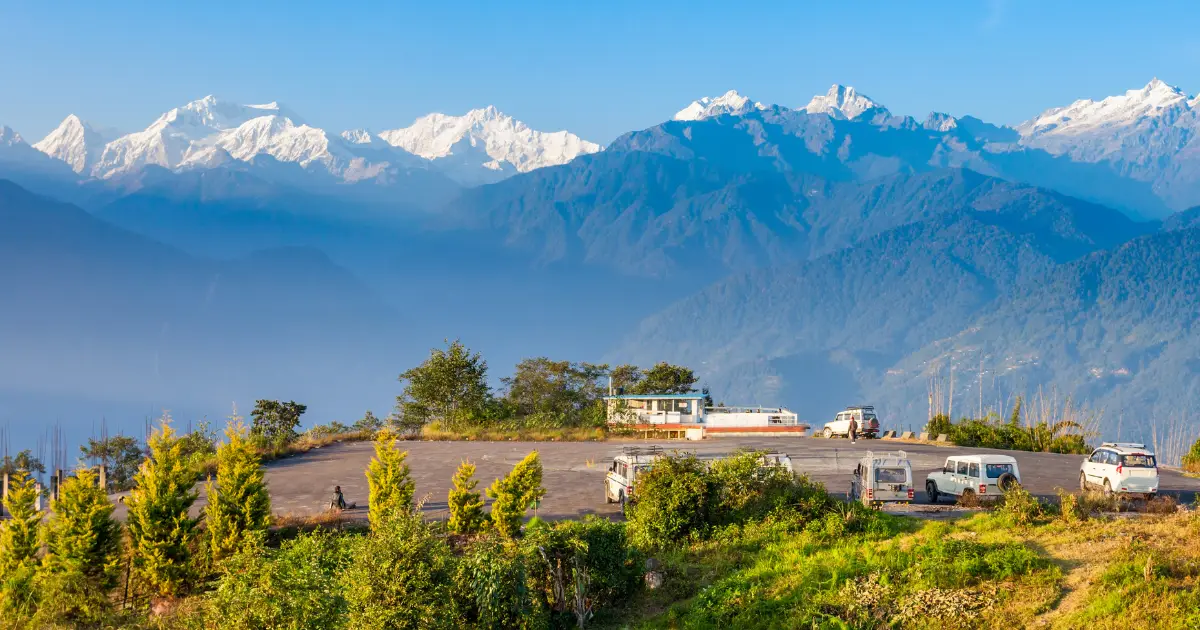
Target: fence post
(103,477)
(3,495)
(37,504)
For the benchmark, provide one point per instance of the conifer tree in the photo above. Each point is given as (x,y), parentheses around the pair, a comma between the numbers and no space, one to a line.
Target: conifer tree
(83,551)
(160,531)
(239,507)
(390,485)
(19,545)
(515,493)
(466,505)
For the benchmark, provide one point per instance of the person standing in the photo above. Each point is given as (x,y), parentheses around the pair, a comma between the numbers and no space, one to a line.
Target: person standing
(853,430)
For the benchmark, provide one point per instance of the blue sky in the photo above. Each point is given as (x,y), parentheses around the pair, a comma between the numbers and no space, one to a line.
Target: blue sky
(596,68)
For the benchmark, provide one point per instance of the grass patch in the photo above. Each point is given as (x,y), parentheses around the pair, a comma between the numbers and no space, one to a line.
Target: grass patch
(517,434)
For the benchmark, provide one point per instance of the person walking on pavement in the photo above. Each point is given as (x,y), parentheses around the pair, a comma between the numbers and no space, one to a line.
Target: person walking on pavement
(853,430)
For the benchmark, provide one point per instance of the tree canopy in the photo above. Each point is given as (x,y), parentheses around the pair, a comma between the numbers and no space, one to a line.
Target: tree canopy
(450,387)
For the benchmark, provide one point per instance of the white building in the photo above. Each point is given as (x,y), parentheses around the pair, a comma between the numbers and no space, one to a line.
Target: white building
(683,411)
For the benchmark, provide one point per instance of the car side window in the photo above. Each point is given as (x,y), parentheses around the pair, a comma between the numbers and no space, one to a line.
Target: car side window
(962,468)
(1114,458)
(1095,456)
(949,466)
(974,471)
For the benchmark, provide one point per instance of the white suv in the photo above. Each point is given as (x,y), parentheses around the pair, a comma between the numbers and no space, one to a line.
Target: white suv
(1120,467)
(981,475)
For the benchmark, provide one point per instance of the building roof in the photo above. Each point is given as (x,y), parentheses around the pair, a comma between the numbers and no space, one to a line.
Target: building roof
(694,396)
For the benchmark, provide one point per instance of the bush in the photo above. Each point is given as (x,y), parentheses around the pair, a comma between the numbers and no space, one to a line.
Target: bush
(401,576)
(466,506)
(512,495)
(161,533)
(587,561)
(391,487)
(294,587)
(327,430)
(495,587)
(1020,508)
(19,546)
(239,506)
(83,547)
(671,502)
(1191,461)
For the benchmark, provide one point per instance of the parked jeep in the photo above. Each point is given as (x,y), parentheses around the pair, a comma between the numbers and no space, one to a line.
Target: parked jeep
(882,478)
(868,423)
(981,475)
(624,471)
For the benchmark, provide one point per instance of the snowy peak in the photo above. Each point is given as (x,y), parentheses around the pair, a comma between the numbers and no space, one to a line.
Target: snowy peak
(728,104)
(842,102)
(1156,100)
(485,138)
(75,142)
(9,137)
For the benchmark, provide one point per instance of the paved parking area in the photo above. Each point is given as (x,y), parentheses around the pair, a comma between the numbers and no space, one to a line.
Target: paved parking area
(574,471)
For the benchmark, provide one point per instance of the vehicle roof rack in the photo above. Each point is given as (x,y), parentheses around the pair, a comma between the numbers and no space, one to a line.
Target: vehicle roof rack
(864,407)
(1124,444)
(635,451)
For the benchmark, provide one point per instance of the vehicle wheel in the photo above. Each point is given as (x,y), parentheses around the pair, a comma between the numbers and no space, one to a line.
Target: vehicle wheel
(621,499)
(1107,488)
(932,491)
(1083,487)
(1007,482)
(607,499)
(828,433)
(853,495)
(967,498)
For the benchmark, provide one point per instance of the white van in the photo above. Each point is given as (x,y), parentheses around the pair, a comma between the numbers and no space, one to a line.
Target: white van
(882,478)
(982,475)
(1122,468)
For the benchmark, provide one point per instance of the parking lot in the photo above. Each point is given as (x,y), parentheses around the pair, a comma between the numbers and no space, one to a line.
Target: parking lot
(574,471)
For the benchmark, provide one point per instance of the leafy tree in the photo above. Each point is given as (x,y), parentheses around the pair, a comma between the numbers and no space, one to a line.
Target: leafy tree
(390,484)
(368,423)
(556,391)
(466,505)
(22,461)
(83,552)
(161,533)
(295,587)
(625,378)
(239,507)
(274,423)
(19,545)
(665,378)
(449,387)
(120,455)
(512,495)
(199,444)
(401,577)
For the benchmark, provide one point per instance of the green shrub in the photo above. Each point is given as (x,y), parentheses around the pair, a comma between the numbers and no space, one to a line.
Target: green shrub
(326,430)
(161,533)
(400,576)
(1020,508)
(1191,461)
(239,506)
(466,505)
(586,566)
(671,502)
(495,587)
(390,485)
(83,547)
(515,493)
(295,587)
(19,546)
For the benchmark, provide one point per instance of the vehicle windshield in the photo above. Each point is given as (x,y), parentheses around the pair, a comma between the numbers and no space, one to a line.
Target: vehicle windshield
(891,475)
(995,470)
(1138,460)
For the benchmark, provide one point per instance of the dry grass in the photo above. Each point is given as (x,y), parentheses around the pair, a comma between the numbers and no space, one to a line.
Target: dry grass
(483,434)
(303,444)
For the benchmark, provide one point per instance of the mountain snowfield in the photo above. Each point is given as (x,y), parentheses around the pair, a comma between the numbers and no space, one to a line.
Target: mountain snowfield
(1146,135)
(483,145)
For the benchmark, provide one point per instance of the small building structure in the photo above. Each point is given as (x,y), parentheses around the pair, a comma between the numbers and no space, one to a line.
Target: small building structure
(677,413)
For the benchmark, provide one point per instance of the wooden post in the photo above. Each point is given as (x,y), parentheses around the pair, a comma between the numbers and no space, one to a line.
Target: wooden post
(37,504)
(102,477)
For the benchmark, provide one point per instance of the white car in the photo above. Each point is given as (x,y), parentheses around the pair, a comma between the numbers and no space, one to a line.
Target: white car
(868,423)
(981,475)
(1120,467)
(624,471)
(882,478)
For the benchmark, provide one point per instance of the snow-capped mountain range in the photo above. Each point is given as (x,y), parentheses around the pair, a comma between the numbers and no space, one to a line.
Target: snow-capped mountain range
(481,146)
(1148,135)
